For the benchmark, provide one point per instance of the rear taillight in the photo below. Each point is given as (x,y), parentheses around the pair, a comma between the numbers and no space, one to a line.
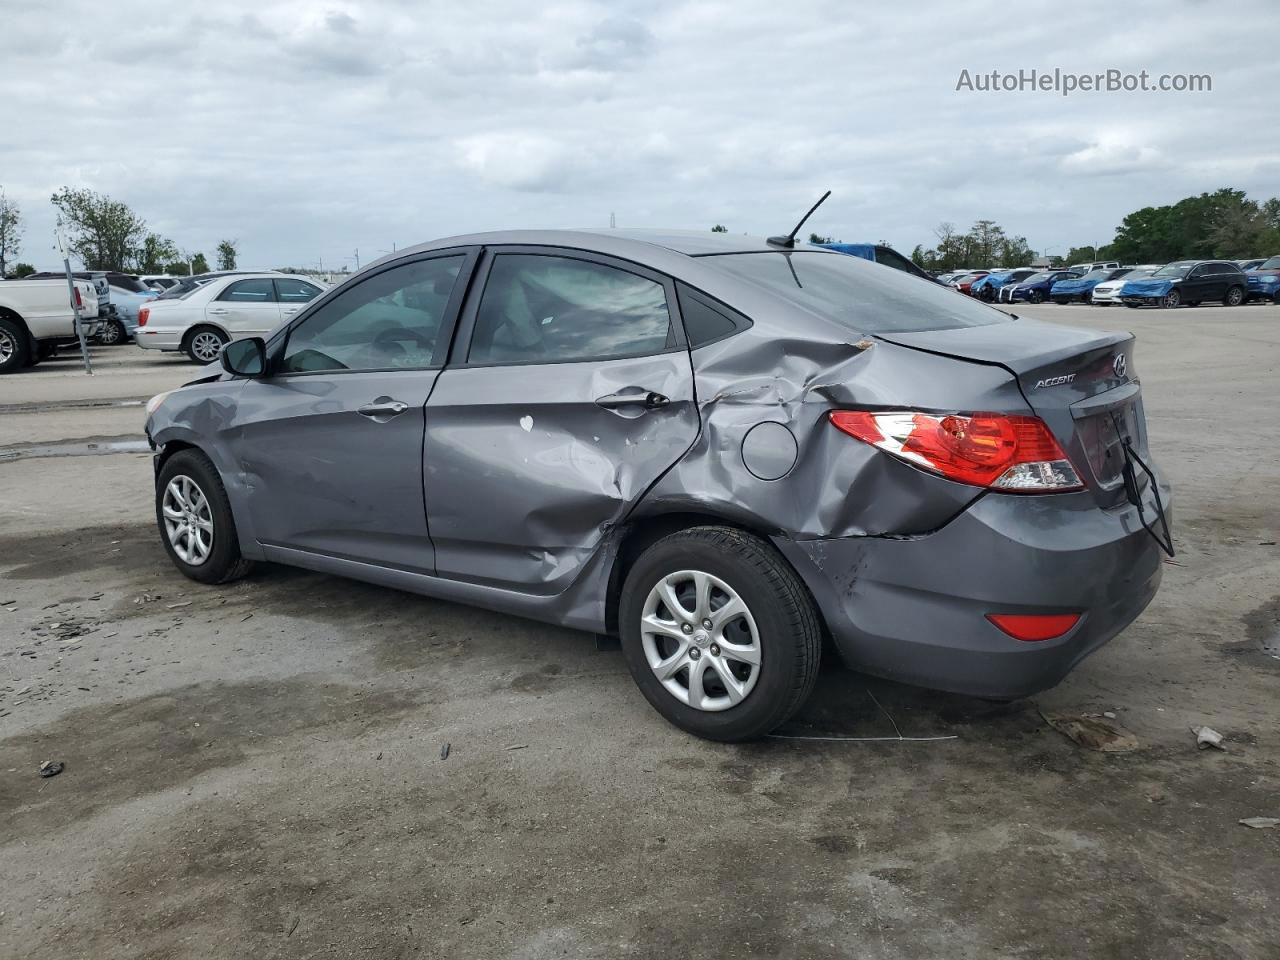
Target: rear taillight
(1010,453)
(143,313)
(1034,626)
(79,299)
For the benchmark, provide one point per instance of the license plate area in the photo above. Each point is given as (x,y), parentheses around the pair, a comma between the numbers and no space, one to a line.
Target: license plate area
(1102,442)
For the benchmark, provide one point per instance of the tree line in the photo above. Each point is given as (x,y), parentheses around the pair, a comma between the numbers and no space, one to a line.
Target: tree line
(105,234)
(1224,224)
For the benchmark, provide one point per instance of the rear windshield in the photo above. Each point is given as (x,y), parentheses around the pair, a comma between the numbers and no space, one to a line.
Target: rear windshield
(858,294)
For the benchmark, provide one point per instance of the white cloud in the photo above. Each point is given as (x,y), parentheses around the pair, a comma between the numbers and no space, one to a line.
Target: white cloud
(307,130)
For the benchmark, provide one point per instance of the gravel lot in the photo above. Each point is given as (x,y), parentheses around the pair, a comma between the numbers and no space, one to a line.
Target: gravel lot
(256,770)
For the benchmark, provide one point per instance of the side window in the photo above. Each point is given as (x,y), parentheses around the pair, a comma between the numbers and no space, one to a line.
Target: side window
(706,320)
(289,290)
(249,291)
(551,309)
(1198,272)
(390,320)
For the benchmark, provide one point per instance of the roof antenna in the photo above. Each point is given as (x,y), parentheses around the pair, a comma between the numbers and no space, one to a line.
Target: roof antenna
(789,240)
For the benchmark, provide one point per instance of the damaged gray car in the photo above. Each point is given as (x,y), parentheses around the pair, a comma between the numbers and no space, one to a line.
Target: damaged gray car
(722,450)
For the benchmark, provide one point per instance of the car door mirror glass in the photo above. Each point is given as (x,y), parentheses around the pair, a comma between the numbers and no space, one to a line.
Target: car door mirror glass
(245,358)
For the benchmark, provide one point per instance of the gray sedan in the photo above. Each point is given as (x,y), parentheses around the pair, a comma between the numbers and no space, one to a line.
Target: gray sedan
(720,449)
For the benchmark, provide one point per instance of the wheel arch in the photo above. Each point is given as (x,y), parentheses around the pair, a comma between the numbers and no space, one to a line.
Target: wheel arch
(203,324)
(641,532)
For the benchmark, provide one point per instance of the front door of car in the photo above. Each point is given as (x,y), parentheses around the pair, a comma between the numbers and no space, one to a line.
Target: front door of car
(330,442)
(293,294)
(1199,283)
(245,308)
(568,394)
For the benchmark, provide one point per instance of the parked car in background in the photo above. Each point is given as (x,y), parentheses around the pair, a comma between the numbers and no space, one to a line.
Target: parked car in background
(1189,282)
(965,283)
(159,281)
(1108,292)
(224,308)
(879,253)
(551,424)
(128,294)
(1264,281)
(1034,289)
(186,284)
(1247,265)
(1081,288)
(988,288)
(36,316)
(1083,268)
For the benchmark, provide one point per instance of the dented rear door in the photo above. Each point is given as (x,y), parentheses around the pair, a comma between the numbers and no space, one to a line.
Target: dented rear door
(568,394)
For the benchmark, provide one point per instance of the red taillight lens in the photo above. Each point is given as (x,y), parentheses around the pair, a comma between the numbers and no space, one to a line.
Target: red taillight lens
(79,299)
(1033,627)
(143,313)
(1012,453)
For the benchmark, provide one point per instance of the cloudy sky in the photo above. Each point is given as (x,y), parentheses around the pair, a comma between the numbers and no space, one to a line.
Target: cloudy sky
(310,129)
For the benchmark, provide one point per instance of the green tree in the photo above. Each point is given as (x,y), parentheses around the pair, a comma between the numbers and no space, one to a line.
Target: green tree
(177,268)
(227,254)
(719,228)
(155,253)
(819,238)
(10,231)
(1082,255)
(21,270)
(104,233)
(199,264)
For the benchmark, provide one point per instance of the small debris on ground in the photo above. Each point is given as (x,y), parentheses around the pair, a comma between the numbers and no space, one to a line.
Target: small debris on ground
(1094,733)
(444,752)
(1207,737)
(175,606)
(517,746)
(1261,823)
(50,768)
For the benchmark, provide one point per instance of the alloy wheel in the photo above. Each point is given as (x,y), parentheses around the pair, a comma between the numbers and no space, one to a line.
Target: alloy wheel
(8,346)
(112,334)
(1172,298)
(206,346)
(188,520)
(700,640)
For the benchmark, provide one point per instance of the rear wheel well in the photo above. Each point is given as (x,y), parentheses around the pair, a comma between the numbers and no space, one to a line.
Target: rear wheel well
(202,325)
(639,535)
(15,317)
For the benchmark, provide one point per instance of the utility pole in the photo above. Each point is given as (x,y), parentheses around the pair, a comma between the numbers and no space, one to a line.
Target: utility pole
(75,306)
(613,221)
(357,258)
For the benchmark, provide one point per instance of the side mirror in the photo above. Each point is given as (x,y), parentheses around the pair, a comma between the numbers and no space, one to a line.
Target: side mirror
(245,358)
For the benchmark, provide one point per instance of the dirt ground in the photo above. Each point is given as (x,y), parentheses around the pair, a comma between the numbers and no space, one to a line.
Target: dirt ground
(259,769)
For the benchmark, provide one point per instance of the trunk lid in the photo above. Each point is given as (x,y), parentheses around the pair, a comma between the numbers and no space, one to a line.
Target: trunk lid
(1082,383)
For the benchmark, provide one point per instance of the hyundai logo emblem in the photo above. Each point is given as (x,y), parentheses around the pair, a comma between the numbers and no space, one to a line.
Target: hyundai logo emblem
(1119,365)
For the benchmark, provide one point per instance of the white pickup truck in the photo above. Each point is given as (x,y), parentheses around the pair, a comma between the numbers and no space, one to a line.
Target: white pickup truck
(36,316)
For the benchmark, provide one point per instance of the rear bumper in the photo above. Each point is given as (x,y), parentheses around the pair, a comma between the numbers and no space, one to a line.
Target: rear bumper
(914,610)
(157,339)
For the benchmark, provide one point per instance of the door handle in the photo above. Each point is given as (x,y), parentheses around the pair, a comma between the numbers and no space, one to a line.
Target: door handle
(383,409)
(217,311)
(649,399)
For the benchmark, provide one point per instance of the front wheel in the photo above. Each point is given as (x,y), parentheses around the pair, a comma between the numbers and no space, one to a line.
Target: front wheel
(1234,297)
(1037,296)
(194,516)
(719,633)
(204,344)
(1172,299)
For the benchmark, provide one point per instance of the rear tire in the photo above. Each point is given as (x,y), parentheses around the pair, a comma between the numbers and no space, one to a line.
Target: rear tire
(778,627)
(1037,296)
(1234,297)
(195,521)
(15,352)
(113,334)
(1172,299)
(203,344)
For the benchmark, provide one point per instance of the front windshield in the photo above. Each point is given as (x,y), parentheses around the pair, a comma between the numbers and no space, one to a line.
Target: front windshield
(1096,275)
(857,294)
(1178,269)
(1037,277)
(1272,264)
